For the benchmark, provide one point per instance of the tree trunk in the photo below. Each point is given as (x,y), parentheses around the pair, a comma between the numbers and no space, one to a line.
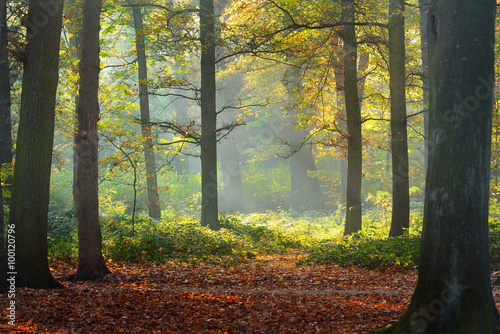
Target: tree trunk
(147,139)
(453,292)
(30,189)
(424,9)
(209,203)
(400,222)
(353,114)
(91,263)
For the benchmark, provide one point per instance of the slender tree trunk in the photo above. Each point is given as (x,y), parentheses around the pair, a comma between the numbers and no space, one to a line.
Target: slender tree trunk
(400,222)
(147,139)
(453,292)
(91,263)
(30,189)
(209,202)
(353,114)
(424,9)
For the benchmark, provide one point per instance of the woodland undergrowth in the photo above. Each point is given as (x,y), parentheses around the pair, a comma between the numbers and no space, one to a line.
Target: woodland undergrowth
(315,235)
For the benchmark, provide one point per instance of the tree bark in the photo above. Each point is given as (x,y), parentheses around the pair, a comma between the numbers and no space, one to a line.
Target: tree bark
(400,222)
(91,263)
(147,139)
(30,189)
(453,292)
(209,200)
(353,115)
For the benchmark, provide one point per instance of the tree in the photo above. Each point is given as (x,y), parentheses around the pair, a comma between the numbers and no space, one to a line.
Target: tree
(353,116)
(400,222)
(30,188)
(91,263)
(149,155)
(453,291)
(209,202)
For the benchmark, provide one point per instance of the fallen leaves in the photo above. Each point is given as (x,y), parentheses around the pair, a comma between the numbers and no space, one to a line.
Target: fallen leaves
(264,295)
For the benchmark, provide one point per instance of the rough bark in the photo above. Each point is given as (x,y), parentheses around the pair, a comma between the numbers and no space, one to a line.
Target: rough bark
(353,115)
(209,197)
(453,292)
(30,189)
(91,263)
(147,139)
(400,221)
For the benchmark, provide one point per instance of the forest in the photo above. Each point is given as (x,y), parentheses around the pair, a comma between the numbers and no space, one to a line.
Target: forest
(249,166)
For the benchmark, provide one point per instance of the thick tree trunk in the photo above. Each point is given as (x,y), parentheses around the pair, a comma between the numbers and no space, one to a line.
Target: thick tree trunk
(400,222)
(209,202)
(353,114)
(453,292)
(91,263)
(147,139)
(30,189)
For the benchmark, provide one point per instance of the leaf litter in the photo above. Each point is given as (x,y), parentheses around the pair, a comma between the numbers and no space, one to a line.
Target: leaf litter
(268,294)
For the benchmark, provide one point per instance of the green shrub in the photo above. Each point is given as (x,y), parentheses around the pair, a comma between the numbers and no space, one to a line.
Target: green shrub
(62,236)
(400,252)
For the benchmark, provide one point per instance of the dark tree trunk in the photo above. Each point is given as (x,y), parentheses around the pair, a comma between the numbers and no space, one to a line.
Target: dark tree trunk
(209,202)
(453,292)
(353,114)
(91,263)
(400,222)
(147,139)
(30,189)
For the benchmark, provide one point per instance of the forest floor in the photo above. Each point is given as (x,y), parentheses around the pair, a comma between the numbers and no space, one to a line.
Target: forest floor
(269,294)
